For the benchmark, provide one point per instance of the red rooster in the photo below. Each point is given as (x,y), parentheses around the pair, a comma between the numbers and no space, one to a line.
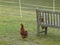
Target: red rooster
(42,20)
(23,32)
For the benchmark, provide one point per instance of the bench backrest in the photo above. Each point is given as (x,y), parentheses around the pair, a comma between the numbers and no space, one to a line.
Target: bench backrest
(50,18)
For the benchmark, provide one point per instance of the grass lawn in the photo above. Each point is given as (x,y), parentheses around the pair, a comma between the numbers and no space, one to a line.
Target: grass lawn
(10,21)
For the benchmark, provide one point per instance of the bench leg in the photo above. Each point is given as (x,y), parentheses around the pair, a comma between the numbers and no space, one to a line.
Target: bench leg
(45,30)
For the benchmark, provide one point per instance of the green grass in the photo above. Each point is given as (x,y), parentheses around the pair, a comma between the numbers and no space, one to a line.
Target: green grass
(10,21)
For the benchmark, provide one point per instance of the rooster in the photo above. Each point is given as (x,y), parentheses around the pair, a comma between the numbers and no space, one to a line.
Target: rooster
(23,32)
(42,20)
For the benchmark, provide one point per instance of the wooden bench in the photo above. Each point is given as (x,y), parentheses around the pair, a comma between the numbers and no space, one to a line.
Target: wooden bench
(50,19)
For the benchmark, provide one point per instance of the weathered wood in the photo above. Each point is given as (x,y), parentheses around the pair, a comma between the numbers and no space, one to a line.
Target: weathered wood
(45,30)
(51,19)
